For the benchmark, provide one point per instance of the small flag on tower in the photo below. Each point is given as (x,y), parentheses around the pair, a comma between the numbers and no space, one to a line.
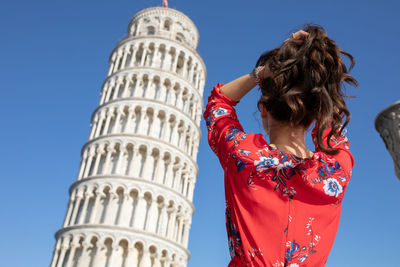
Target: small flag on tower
(165,3)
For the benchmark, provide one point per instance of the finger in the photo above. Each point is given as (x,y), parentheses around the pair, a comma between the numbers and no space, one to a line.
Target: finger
(300,34)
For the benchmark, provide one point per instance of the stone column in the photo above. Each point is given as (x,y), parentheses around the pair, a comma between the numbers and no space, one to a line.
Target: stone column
(185,183)
(99,152)
(108,119)
(64,247)
(98,259)
(194,153)
(87,195)
(167,261)
(142,122)
(110,68)
(144,54)
(95,208)
(179,232)
(134,51)
(174,133)
(150,58)
(163,91)
(195,77)
(83,164)
(157,56)
(183,137)
(152,214)
(135,165)
(107,162)
(74,245)
(110,208)
(76,207)
(169,176)
(171,223)
(131,112)
(138,86)
(191,72)
(156,261)
(70,207)
(128,79)
(140,209)
(184,66)
(190,190)
(163,220)
(387,123)
(175,63)
(89,163)
(93,126)
(190,145)
(117,119)
(185,241)
(145,261)
(167,129)
(119,55)
(85,257)
(104,92)
(193,111)
(114,253)
(132,257)
(109,89)
(117,88)
(124,58)
(56,253)
(179,100)
(121,153)
(171,96)
(98,127)
(175,178)
(160,169)
(148,165)
(155,126)
(122,220)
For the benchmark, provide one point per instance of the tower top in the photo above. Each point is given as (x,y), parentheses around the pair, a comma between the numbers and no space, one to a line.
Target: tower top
(165,3)
(164,22)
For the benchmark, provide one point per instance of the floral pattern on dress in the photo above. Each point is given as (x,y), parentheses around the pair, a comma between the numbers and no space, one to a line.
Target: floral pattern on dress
(299,252)
(332,187)
(285,179)
(236,249)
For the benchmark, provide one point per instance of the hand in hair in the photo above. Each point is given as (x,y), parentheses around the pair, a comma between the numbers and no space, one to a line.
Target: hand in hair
(298,35)
(265,71)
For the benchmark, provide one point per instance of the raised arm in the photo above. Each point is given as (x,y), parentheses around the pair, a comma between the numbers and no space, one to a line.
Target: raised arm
(222,123)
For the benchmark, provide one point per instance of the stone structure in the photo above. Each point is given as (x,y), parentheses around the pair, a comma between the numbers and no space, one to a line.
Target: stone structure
(131,204)
(387,123)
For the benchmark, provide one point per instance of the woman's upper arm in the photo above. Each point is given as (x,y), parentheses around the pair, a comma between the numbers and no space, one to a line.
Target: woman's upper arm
(222,123)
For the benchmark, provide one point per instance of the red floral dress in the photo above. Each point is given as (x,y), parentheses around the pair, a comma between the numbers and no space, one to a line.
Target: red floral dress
(281,210)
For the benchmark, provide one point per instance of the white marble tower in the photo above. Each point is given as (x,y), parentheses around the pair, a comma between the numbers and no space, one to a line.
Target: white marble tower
(131,205)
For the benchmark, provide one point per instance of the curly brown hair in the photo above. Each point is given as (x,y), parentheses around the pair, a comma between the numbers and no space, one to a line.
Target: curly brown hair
(305,83)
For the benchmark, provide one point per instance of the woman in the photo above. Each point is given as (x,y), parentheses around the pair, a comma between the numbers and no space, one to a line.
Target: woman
(283,201)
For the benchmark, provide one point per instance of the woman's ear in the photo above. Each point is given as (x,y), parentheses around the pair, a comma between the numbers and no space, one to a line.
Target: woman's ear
(264,112)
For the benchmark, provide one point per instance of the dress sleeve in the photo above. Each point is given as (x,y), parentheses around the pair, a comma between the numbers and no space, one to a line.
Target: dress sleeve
(344,157)
(222,123)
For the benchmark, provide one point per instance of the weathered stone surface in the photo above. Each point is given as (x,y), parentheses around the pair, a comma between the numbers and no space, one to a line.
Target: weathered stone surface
(387,123)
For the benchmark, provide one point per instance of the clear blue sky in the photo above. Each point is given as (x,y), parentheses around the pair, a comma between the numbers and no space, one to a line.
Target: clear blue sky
(54,58)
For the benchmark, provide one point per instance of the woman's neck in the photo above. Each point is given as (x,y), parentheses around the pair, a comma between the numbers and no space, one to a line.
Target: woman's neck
(291,140)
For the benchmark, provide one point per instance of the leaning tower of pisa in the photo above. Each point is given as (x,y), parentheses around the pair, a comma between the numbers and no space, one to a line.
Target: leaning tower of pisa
(131,204)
